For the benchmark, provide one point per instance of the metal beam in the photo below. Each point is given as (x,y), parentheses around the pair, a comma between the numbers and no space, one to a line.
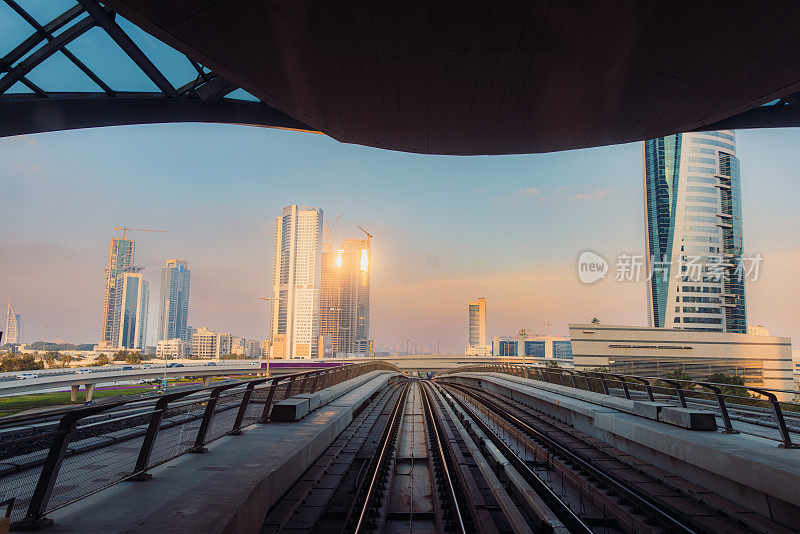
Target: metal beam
(39,35)
(26,114)
(215,89)
(37,57)
(106,21)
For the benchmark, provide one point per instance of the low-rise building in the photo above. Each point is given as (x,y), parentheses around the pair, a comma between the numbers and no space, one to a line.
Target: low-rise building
(478,350)
(763,361)
(538,349)
(171,349)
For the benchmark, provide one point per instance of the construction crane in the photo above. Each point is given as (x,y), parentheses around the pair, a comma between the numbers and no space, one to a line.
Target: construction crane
(328,231)
(369,235)
(548,324)
(125,230)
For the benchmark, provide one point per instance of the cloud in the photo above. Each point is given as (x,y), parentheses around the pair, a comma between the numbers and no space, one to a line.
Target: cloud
(527,192)
(599,193)
(533,193)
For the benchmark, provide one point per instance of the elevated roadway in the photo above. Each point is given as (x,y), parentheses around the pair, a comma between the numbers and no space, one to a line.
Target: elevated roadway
(90,377)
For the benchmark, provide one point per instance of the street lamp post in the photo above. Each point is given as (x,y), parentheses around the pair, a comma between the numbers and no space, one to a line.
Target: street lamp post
(269,332)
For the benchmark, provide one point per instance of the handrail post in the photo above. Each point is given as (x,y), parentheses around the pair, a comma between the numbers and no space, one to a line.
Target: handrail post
(316,379)
(268,403)
(306,378)
(786,442)
(140,470)
(726,420)
(647,387)
(624,385)
(199,442)
(34,518)
(678,390)
(289,386)
(237,423)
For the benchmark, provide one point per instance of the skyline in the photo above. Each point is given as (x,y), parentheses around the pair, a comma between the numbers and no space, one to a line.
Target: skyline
(506,227)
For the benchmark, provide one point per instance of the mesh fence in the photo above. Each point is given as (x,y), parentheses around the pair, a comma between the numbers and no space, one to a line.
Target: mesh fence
(178,430)
(224,415)
(20,470)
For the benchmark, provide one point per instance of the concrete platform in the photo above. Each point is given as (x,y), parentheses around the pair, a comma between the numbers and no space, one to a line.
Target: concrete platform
(229,488)
(749,470)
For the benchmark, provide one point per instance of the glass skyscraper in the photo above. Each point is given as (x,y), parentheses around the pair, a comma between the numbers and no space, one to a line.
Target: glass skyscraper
(130,309)
(344,297)
(173,311)
(120,259)
(693,210)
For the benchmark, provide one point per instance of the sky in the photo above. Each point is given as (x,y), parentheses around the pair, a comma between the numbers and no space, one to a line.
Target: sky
(446,229)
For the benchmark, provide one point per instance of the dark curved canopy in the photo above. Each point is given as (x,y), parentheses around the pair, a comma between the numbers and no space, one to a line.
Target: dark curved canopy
(482,77)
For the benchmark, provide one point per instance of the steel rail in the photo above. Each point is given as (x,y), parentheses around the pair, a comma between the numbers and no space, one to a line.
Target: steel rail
(641,501)
(437,440)
(556,504)
(394,424)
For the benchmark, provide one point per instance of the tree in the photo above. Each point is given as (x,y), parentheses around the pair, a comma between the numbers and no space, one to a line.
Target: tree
(101,360)
(595,320)
(50,358)
(733,380)
(678,374)
(23,362)
(120,355)
(65,360)
(552,363)
(133,358)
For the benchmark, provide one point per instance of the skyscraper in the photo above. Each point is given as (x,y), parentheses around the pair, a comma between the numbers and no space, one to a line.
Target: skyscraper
(120,259)
(296,282)
(477,322)
(132,293)
(14,332)
(693,210)
(344,297)
(173,308)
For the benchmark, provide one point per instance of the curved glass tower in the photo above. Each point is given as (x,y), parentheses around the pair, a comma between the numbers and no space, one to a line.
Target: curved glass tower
(693,211)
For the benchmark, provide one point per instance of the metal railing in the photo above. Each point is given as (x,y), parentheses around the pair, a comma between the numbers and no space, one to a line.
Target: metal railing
(46,465)
(722,397)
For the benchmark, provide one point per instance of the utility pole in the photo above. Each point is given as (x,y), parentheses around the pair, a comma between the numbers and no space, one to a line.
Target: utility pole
(269,335)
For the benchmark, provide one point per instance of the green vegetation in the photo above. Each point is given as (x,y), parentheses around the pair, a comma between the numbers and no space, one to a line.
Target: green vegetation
(19,403)
(552,364)
(129,357)
(595,320)
(22,362)
(100,360)
(678,374)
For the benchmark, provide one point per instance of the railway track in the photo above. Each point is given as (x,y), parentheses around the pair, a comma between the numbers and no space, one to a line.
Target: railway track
(632,495)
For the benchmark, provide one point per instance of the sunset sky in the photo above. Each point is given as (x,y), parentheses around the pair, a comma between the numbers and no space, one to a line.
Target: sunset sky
(447,229)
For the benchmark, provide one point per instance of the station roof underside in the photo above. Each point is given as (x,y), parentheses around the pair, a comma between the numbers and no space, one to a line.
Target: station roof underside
(428,77)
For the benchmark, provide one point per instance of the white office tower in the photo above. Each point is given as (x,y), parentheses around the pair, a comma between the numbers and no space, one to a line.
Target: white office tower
(477,322)
(173,307)
(296,282)
(130,310)
(13,325)
(120,259)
